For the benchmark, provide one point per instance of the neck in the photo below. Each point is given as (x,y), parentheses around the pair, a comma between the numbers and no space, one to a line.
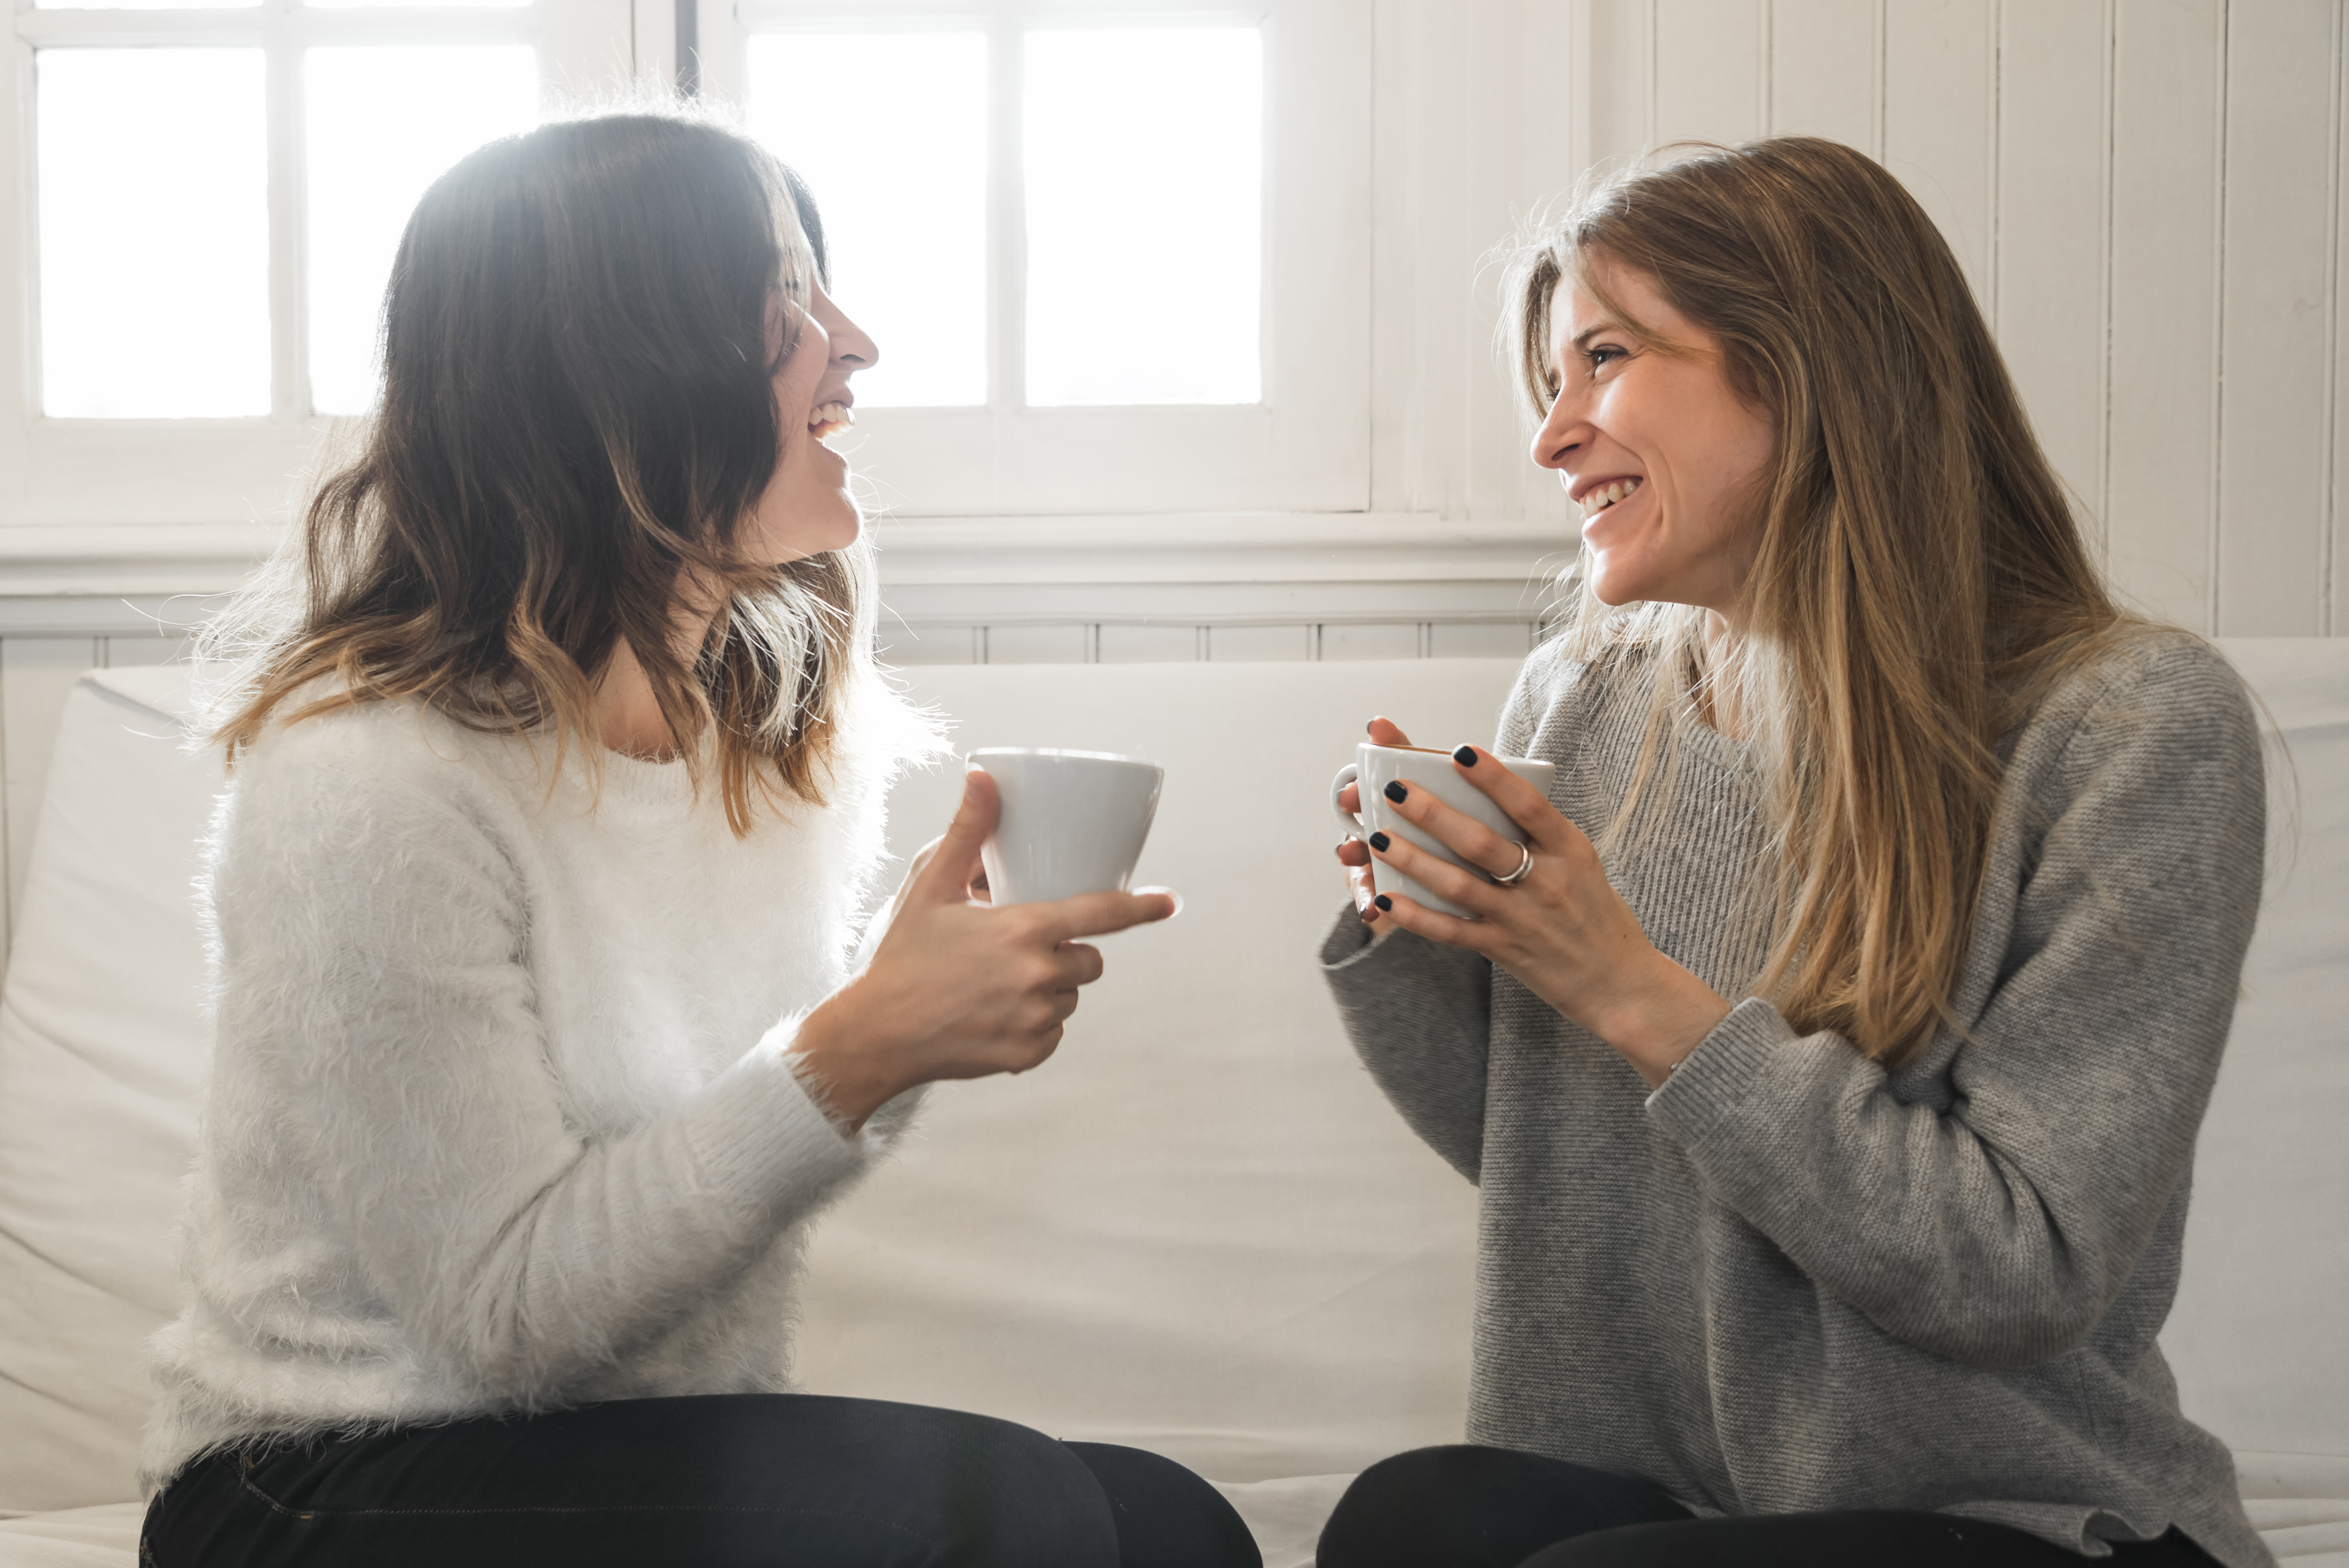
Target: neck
(628,718)
(1721,705)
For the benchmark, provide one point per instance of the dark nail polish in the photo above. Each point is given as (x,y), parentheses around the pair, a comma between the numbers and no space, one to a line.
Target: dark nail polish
(1379,842)
(1384,901)
(1395,792)
(1465,757)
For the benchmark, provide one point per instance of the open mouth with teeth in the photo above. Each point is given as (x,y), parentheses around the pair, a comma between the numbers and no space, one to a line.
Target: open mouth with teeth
(828,419)
(1607,495)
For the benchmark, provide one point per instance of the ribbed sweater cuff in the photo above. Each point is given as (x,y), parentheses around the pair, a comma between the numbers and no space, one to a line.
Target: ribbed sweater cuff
(1714,1081)
(764,1140)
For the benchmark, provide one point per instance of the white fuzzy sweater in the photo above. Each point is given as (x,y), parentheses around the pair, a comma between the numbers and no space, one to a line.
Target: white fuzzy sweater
(501,1117)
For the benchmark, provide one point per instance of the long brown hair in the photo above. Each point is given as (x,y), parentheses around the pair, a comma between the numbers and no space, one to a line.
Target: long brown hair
(1920,581)
(576,413)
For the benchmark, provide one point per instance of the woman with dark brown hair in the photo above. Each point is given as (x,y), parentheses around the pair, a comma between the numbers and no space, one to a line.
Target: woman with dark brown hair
(559,759)
(1831,1056)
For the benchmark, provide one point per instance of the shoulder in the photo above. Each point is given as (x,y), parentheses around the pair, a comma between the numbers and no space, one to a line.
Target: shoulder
(1555,691)
(2149,694)
(372,769)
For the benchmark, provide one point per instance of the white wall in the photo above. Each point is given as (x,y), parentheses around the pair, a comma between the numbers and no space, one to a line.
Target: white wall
(2146,193)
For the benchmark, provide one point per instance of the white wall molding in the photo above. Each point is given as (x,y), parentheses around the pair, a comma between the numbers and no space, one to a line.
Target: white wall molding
(1199,568)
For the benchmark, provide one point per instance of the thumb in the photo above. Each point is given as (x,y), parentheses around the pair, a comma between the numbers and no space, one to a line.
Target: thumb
(951,871)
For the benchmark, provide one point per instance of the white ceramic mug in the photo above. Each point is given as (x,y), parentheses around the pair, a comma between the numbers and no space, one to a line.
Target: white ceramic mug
(1072,821)
(1376,767)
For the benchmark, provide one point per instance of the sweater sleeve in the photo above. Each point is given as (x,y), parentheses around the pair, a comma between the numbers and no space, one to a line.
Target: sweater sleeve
(372,932)
(1419,1016)
(1997,1231)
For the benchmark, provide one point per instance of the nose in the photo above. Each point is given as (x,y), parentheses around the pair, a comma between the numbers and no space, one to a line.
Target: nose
(1564,432)
(852,345)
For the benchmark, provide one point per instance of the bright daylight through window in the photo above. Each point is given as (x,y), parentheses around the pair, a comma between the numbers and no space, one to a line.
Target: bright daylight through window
(154,237)
(1139,177)
(1094,238)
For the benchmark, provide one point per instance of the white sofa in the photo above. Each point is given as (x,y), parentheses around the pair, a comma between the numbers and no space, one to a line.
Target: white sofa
(1199,1229)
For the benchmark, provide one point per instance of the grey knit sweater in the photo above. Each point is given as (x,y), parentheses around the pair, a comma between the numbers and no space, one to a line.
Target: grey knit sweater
(1788,1280)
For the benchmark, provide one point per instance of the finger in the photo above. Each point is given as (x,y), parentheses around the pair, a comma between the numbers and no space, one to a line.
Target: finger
(1350,799)
(1352,852)
(1525,806)
(1099,913)
(1420,920)
(1438,875)
(1457,831)
(1384,731)
(948,877)
(1080,964)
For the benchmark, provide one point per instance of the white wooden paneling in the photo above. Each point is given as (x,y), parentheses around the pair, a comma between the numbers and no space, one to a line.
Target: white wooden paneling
(2275,366)
(1394,641)
(35,674)
(1150,644)
(1040,645)
(1712,75)
(1826,60)
(1940,89)
(1257,644)
(2336,575)
(2161,491)
(2050,270)
(1492,640)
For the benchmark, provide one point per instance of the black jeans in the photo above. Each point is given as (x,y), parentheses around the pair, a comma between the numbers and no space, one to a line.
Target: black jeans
(1468,1507)
(786,1480)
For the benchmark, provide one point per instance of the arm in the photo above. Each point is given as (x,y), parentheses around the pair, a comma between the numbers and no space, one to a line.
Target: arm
(1419,1014)
(372,930)
(1419,1017)
(1998,1230)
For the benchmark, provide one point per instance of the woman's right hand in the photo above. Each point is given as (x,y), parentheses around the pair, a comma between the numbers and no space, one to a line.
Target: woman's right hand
(956,988)
(1353,854)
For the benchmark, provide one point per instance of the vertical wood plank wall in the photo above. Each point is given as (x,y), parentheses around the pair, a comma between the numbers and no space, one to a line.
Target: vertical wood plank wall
(2146,193)
(2146,196)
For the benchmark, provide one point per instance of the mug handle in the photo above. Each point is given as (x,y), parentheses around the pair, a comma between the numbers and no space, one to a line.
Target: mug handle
(1347,820)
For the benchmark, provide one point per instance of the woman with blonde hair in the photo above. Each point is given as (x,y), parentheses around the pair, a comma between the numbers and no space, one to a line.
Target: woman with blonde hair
(559,769)
(1830,1057)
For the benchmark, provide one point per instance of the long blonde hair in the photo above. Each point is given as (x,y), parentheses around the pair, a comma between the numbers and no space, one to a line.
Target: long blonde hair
(1920,581)
(576,415)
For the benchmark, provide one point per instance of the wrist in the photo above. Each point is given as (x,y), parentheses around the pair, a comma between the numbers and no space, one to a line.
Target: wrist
(839,1063)
(1658,1026)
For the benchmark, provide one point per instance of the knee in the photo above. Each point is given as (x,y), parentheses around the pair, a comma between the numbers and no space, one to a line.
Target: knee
(1166,1516)
(1400,1510)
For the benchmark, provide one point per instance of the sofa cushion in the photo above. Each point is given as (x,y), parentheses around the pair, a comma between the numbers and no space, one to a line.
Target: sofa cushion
(102,1048)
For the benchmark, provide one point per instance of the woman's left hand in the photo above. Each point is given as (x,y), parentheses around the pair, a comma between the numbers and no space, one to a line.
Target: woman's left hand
(1562,929)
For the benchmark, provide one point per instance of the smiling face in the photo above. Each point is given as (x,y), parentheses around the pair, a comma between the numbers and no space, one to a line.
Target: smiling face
(1665,459)
(806,508)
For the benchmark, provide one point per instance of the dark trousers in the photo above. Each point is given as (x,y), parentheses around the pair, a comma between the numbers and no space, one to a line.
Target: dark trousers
(777,1480)
(1467,1506)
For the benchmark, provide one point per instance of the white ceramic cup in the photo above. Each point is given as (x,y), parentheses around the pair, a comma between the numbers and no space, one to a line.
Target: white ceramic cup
(1072,821)
(1376,767)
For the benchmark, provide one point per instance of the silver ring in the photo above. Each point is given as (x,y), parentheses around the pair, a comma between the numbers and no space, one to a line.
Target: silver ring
(1514,877)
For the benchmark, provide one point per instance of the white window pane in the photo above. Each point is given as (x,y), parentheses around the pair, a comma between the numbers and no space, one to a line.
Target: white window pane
(384,123)
(154,266)
(140,5)
(890,131)
(394,4)
(1143,151)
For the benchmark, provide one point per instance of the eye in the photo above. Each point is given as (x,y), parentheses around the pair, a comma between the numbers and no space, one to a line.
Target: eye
(1600,355)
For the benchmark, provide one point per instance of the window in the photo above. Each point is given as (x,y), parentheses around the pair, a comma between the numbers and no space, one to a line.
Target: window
(1118,261)
(1116,256)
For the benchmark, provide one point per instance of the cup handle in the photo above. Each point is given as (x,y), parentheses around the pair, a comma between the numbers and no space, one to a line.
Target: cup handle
(1347,820)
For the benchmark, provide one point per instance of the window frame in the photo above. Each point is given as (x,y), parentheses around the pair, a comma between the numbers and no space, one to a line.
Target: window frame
(78,473)
(1304,448)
